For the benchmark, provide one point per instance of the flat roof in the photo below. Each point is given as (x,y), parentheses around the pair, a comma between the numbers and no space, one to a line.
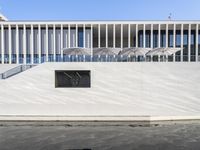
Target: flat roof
(103,21)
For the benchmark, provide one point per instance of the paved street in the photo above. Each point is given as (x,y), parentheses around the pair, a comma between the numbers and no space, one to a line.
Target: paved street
(175,136)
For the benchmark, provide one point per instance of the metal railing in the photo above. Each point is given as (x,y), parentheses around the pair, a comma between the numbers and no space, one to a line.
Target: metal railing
(15,70)
(108,58)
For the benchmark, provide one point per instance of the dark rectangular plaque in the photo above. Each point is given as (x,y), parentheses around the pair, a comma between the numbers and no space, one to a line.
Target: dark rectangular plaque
(72,79)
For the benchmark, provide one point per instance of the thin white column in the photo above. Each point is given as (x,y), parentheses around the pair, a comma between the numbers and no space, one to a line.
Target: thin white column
(129,35)
(159,33)
(106,35)
(54,42)
(121,36)
(31,44)
(181,42)
(167,35)
(174,36)
(189,42)
(9,44)
(136,36)
(151,35)
(99,35)
(2,44)
(47,43)
(91,46)
(197,40)
(61,41)
(84,35)
(114,35)
(69,32)
(144,36)
(76,35)
(174,41)
(24,44)
(39,43)
(17,44)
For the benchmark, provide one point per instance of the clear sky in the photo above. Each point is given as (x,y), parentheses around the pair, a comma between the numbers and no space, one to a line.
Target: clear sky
(100,9)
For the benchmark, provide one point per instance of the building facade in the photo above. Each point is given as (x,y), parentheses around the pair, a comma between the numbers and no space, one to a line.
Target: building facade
(36,42)
(40,78)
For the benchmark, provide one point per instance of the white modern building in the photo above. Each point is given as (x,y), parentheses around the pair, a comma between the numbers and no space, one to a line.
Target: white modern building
(35,42)
(99,70)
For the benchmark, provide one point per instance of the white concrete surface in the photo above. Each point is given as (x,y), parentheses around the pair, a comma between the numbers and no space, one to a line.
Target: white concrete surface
(162,90)
(97,118)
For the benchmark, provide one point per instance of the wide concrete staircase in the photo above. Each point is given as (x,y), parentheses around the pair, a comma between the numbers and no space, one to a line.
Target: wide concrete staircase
(14,71)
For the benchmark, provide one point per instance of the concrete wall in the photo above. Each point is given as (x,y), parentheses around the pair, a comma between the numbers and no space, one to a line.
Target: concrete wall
(118,89)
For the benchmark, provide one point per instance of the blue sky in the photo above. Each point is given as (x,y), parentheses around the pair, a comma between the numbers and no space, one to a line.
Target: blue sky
(100,9)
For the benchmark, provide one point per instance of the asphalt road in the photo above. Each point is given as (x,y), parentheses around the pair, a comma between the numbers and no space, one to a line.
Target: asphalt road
(173,136)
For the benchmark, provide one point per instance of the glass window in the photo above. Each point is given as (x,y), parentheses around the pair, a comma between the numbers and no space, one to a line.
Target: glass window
(28,41)
(155,38)
(193,49)
(178,38)
(43,41)
(50,40)
(170,38)
(80,37)
(148,38)
(118,36)
(140,38)
(185,45)
(58,41)
(163,38)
